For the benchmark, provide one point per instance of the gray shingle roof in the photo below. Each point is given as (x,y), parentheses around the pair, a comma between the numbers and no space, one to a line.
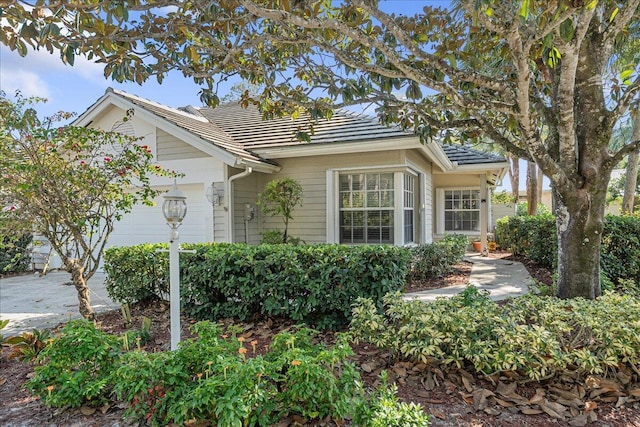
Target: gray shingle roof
(465,155)
(245,125)
(240,130)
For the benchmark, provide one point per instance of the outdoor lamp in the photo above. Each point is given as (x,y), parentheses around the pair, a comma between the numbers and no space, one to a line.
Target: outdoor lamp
(214,195)
(174,209)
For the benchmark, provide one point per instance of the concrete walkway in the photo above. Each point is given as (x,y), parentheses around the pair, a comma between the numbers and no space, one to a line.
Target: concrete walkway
(502,278)
(31,301)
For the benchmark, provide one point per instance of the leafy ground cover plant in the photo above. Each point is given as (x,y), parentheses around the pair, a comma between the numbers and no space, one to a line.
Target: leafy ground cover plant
(219,377)
(536,337)
(77,367)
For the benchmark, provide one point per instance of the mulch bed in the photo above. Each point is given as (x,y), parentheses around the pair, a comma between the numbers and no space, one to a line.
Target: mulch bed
(452,397)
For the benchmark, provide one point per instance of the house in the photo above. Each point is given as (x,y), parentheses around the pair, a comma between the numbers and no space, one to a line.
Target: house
(363,182)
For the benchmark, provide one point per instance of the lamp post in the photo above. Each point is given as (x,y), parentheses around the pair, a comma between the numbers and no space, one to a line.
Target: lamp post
(174,210)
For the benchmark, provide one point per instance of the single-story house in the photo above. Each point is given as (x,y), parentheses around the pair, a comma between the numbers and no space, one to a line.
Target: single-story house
(363,182)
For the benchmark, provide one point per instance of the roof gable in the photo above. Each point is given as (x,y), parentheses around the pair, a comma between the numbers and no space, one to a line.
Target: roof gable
(241,132)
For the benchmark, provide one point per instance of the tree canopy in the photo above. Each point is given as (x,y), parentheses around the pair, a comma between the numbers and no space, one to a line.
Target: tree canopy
(531,75)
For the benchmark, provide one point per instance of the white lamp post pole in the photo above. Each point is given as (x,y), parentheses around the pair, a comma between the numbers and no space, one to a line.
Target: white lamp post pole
(174,287)
(174,209)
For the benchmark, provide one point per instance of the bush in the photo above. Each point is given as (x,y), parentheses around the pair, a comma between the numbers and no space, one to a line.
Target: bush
(213,379)
(537,337)
(535,237)
(15,256)
(216,379)
(437,259)
(313,283)
(620,253)
(76,368)
(136,273)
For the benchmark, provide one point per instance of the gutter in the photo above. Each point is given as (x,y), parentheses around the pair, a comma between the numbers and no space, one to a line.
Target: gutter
(230,200)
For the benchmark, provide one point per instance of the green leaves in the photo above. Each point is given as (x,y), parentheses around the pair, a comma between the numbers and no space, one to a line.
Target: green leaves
(315,283)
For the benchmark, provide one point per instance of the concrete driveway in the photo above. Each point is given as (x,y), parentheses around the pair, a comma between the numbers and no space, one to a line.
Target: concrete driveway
(31,301)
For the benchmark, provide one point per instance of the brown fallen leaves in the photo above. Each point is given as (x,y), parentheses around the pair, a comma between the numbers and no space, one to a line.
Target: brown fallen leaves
(571,398)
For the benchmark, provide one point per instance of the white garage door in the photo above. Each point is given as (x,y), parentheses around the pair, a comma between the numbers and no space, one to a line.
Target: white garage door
(146,224)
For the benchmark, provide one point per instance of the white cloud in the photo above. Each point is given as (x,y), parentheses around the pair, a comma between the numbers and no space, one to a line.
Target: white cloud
(29,83)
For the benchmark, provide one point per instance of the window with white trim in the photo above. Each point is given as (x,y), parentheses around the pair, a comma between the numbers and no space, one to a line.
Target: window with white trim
(461,209)
(408,206)
(366,208)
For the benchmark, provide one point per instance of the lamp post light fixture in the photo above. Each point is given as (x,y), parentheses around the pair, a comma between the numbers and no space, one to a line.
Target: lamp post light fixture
(174,210)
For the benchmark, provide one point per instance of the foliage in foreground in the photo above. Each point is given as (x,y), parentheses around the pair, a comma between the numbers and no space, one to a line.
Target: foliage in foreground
(216,378)
(312,283)
(538,337)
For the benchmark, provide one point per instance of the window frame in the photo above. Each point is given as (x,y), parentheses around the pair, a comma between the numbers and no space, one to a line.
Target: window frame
(440,204)
(333,202)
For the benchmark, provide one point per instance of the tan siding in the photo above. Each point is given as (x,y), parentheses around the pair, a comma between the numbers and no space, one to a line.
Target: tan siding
(500,210)
(172,148)
(245,190)
(309,222)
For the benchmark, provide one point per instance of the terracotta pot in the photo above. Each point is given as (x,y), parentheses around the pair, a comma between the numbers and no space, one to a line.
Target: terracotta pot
(477,246)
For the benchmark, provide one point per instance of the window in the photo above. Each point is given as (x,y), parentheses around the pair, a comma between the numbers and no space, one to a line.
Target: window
(408,204)
(366,208)
(461,210)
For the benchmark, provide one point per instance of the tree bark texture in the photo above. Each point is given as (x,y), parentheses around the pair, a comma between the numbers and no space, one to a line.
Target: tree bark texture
(514,176)
(75,267)
(532,189)
(579,220)
(539,187)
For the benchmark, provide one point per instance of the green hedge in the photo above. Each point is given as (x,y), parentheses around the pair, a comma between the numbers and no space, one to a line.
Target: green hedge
(14,254)
(438,258)
(535,237)
(312,283)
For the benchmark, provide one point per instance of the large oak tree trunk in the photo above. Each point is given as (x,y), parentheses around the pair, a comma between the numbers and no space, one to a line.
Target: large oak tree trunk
(579,220)
(76,268)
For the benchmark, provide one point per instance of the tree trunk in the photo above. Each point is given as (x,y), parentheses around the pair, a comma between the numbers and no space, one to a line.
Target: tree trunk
(514,176)
(532,189)
(579,220)
(75,267)
(630,182)
(631,178)
(539,188)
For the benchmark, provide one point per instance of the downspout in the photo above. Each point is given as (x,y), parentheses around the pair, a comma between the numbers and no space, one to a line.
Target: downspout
(231,200)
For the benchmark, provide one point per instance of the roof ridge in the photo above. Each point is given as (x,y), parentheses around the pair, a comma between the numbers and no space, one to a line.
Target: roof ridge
(158,104)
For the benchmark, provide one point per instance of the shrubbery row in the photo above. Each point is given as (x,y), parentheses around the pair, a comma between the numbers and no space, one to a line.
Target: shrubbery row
(535,237)
(311,283)
(537,337)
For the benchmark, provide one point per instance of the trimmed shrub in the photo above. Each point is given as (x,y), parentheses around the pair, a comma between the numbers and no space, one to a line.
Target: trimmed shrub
(137,273)
(620,254)
(535,237)
(312,283)
(14,254)
(438,258)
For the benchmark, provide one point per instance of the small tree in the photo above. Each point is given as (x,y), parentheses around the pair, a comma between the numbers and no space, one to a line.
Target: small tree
(70,184)
(281,197)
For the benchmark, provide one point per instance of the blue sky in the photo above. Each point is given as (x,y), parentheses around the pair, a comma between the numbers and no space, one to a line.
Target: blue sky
(74,89)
